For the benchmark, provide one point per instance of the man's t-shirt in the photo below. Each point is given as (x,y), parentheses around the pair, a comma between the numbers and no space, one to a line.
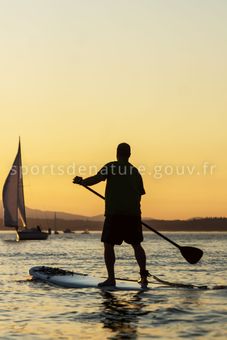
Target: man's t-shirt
(123,189)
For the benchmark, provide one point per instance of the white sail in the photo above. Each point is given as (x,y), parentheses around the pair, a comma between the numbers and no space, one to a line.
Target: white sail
(13,194)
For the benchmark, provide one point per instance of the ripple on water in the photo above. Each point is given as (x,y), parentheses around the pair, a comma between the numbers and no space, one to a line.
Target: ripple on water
(34,310)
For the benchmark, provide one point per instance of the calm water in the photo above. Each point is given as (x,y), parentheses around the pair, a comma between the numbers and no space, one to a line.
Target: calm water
(31,310)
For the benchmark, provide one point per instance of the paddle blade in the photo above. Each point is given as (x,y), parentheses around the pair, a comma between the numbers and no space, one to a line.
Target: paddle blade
(191,254)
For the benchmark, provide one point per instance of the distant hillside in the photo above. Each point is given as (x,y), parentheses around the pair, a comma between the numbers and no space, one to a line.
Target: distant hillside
(48,215)
(192,225)
(79,222)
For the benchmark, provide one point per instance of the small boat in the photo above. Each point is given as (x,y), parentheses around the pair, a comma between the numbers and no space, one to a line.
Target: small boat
(86,231)
(67,231)
(14,203)
(31,234)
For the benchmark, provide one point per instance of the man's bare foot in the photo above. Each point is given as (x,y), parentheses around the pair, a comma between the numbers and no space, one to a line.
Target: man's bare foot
(143,280)
(107,283)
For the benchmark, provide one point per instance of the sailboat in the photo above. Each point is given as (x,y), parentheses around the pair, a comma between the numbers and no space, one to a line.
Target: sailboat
(14,203)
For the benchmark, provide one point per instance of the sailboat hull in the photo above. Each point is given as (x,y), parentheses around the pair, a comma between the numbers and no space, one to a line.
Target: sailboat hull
(31,235)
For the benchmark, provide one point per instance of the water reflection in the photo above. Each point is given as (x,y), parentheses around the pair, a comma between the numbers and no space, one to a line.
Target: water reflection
(121,314)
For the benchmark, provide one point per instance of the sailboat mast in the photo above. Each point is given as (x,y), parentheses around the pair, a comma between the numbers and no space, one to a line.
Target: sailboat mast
(18,179)
(55,221)
(20,190)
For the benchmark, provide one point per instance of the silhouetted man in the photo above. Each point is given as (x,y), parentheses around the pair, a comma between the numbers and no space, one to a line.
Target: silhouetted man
(124,188)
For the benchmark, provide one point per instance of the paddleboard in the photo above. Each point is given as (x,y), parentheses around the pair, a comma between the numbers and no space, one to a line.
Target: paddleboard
(68,279)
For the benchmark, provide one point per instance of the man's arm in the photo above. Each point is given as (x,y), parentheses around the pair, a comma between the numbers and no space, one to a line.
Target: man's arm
(89,180)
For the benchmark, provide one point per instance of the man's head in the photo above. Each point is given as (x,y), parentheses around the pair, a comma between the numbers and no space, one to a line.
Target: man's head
(123,151)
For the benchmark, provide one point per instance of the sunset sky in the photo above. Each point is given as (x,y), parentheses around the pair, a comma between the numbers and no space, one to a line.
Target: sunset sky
(79,77)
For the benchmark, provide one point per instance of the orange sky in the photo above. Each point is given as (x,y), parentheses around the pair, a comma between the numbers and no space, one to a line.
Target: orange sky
(77,78)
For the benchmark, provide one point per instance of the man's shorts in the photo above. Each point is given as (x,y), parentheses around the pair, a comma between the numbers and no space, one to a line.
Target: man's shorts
(119,228)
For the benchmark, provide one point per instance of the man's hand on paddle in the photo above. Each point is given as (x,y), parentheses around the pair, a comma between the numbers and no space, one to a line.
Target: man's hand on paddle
(78,180)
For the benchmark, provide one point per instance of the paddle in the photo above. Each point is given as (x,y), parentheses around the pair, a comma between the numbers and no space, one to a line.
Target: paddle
(191,254)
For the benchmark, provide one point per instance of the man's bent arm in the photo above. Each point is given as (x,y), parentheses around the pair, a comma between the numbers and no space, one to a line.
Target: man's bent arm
(92,180)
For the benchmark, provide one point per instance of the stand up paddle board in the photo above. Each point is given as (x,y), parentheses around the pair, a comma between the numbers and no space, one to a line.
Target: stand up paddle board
(68,279)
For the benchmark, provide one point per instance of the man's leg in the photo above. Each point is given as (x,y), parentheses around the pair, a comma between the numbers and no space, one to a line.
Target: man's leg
(109,257)
(140,256)
(141,260)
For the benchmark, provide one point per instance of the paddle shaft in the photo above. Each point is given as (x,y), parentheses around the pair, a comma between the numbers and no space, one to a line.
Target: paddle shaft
(144,224)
